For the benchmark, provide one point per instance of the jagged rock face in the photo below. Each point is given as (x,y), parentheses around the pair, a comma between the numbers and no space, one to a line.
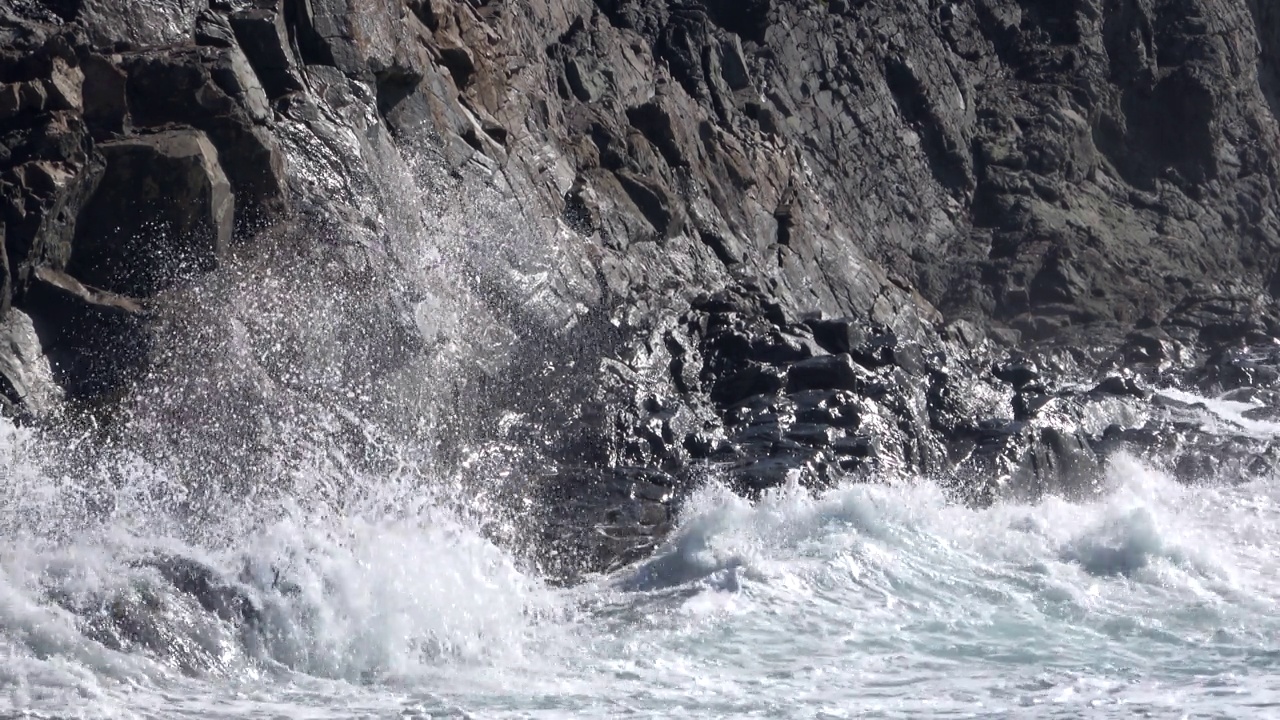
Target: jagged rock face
(778,238)
(96,341)
(163,208)
(27,386)
(134,23)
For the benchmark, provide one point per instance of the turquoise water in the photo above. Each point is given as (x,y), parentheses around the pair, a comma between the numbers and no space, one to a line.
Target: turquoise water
(1156,600)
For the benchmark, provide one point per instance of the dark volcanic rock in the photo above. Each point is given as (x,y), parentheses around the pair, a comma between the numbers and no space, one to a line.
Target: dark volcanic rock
(95,340)
(1019,373)
(213,90)
(106,108)
(263,35)
(133,23)
(829,372)
(869,346)
(635,518)
(1120,385)
(164,208)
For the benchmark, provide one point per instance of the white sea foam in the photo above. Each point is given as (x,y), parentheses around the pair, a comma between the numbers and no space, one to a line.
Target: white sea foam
(1226,415)
(864,600)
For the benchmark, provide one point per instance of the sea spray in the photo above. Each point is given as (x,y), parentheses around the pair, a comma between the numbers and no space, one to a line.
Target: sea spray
(870,599)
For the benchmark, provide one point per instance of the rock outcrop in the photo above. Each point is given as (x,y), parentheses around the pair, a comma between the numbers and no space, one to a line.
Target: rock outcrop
(162,208)
(770,239)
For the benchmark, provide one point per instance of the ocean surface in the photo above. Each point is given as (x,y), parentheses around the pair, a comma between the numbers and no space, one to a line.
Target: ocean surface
(882,601)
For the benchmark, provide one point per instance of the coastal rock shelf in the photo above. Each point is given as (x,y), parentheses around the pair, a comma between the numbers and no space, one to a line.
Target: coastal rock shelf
(643,242)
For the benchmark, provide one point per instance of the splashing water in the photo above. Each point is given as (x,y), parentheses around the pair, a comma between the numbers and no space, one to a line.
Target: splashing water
(864,600)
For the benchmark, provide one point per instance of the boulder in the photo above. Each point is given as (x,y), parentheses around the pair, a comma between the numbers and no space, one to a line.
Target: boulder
(214,29)
(1027,405)
(836,408)
(1018,460)
(96,341)
(134,23)
(1122,386)
(233,74)
(27,387)
(362,38)
(263,38)
(590,517)
(1238,368)
(1019,372)
(827,372)
(106,110)
(63,87)
(752,379)
(869,344)
(208,89)
(53,170)
(164,209)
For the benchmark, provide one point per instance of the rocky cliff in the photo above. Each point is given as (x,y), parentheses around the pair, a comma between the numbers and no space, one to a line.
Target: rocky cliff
(767,239)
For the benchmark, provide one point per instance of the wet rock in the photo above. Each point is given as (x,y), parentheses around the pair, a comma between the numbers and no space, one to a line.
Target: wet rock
(362,39)
(1221,319)
(6,279)
(1266,413)
(95,341)
(765,431)
(214,29)
(183,88)
(1019,372)
(106,109)
(870,345)
(939,181)
(1017,460)
(1262,396)
(1193,456)
(828,372)
(1148,346)
(27,388)
(593,517)
(1237,368)
(63,87)
(835,408)
(1027,405)
(780,348)
(136,23)
(163,208)
(52,171)
(262,35)
(857,447)
(1121,386)
(758,474)
(1138,441)
(215,593)
(752,380)
(232,73)
(812,435)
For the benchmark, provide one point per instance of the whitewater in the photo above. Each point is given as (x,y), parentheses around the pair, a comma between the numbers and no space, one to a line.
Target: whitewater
(1155,599)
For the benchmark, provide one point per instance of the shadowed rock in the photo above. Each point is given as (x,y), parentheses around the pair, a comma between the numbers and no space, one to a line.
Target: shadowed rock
(95,340)
(163,208)
(263,36)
